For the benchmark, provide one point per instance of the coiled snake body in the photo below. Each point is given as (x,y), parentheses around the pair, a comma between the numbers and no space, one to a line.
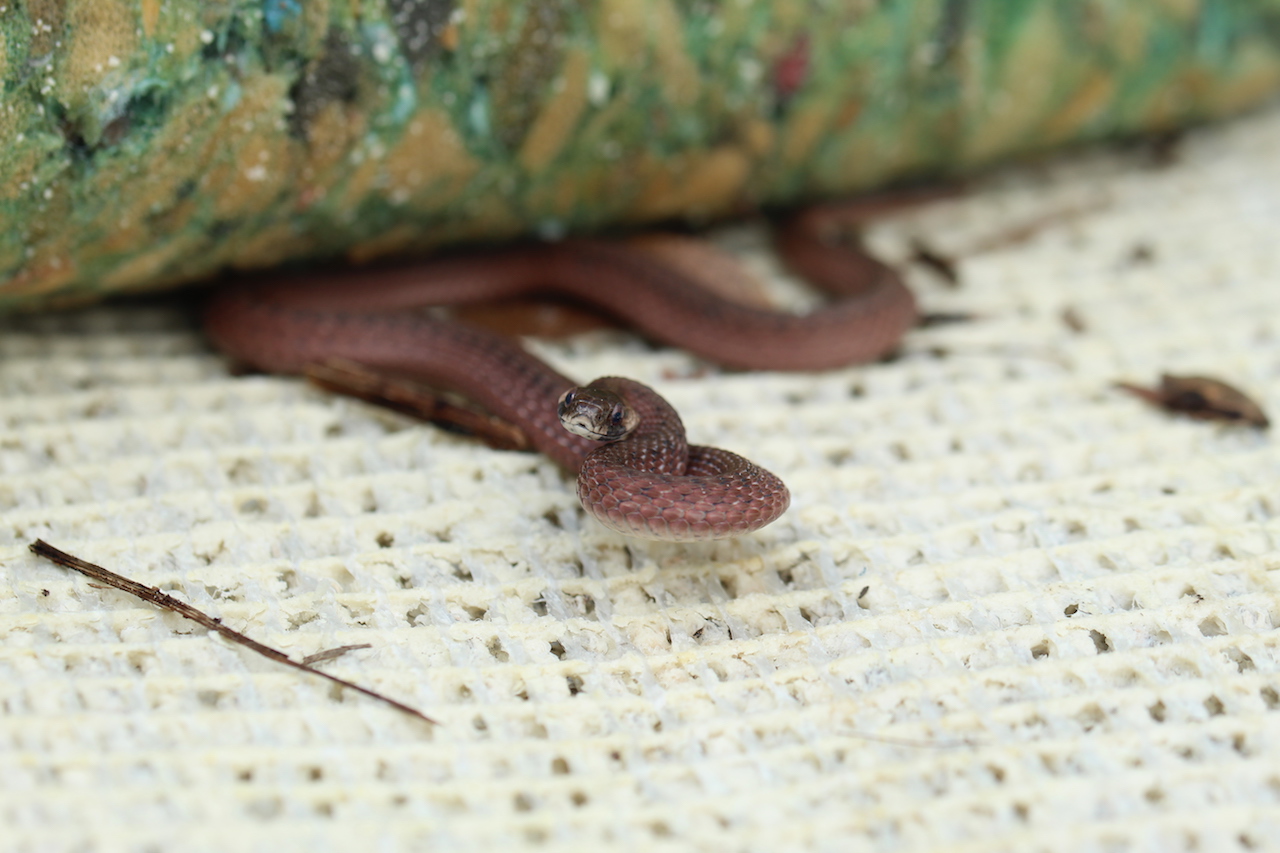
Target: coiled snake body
(650,483)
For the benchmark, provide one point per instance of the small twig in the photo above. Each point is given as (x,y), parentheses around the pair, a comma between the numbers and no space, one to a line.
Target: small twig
(149,593)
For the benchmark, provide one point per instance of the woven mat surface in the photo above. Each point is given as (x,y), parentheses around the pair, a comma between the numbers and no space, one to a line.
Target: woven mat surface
(1012,608)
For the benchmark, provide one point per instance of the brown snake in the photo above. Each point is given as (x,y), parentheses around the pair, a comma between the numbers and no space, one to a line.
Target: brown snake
(650,484)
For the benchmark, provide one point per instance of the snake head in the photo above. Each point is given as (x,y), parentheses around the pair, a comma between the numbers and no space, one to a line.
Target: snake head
(596,414)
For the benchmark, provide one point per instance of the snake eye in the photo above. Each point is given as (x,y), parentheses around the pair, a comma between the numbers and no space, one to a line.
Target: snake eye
(616,417)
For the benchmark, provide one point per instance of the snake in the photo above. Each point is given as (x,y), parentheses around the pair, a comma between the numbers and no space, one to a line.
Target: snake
(636,472)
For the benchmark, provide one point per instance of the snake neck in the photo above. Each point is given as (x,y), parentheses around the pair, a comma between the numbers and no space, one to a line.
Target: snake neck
(283,332)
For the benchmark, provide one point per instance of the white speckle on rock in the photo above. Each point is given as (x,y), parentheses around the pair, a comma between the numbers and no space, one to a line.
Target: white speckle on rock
(597,88)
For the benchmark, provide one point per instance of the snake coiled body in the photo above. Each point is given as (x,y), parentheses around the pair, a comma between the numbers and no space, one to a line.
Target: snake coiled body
(652,484)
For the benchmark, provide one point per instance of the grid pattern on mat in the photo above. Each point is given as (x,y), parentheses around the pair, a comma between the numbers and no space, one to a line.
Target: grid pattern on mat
(1011,608)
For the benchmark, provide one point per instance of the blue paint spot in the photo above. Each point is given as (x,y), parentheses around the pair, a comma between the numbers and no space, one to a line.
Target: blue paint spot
(278,12)
(478,112)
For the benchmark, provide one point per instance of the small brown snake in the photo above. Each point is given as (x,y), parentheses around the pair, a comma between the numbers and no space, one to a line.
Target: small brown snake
(650,484)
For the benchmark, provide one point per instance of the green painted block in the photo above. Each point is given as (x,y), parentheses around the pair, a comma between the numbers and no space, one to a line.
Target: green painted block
(153,142)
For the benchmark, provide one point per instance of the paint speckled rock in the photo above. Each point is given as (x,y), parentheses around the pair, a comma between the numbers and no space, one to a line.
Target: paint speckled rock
(153,142)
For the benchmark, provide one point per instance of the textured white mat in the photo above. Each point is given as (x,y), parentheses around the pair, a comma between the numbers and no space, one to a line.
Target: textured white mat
(1011,608)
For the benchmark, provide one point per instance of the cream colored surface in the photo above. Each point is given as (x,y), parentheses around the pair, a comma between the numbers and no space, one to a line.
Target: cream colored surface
(1010,609)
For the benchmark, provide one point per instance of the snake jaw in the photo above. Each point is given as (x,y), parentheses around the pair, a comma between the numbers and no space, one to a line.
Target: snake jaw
(596,414)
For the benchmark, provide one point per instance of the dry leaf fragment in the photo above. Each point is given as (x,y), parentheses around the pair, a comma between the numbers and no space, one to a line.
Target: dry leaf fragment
(1201,397)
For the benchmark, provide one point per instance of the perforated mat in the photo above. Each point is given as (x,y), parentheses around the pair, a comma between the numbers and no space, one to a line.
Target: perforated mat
(1012,608)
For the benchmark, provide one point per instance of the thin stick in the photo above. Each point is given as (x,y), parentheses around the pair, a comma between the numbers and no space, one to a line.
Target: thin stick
(149,593)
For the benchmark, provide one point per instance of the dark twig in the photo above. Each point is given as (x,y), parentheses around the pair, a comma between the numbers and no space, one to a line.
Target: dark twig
(944,265)
(149,593)
(932,319)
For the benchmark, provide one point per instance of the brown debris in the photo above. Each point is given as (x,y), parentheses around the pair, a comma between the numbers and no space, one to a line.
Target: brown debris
(1201,397)
(1072,320)
(333,654)
(943,265)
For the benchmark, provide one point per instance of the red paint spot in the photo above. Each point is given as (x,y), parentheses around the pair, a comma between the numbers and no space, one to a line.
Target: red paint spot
(792,68)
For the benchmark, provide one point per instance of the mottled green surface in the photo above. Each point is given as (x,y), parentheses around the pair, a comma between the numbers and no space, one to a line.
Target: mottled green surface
(150,142)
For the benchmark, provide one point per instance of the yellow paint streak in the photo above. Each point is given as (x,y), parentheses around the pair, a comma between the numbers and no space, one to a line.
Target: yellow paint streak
(489,217)
(759,136)
(185,139)
(101,37)
(562,197)
(864,161)
(716,184)
(698,185)
(315,25)
(429,163)
(18,164)
(273,245)
(332,133)
(425,169)
(1181,10)
(1030,71)
(1256,79)
(254,162)
(46,17)
(46,272)
(807,125)
(559,117)
(145,270)
(11,254)
(150,17)
(627,28)
(1127,29)
(53,264)
(1089,101)
(393,241)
